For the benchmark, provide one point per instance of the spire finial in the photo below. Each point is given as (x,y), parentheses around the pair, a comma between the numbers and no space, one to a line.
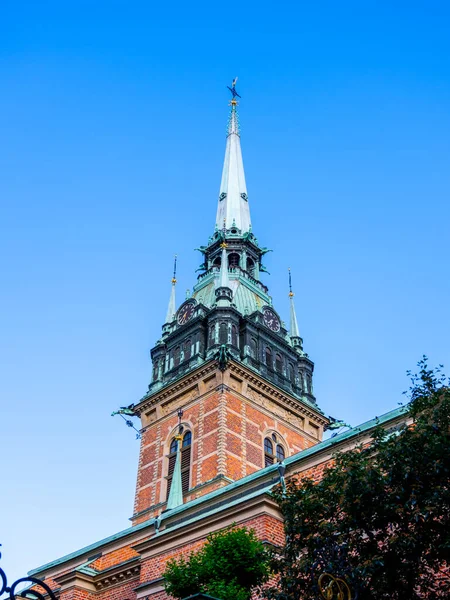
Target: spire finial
(291,293)
(171,309)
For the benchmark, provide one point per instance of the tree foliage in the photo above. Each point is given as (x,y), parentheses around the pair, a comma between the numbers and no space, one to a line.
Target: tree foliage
(380,516)
(229,566)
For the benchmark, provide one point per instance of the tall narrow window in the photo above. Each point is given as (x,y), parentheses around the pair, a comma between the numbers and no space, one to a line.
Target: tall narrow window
(187,349)
(176,356)
(223,333)
(280,453)
(186,461)
(291,373)
(269,358)
(155,370)
(278,363)
(234,336)
(268,452)
(171,467)
(251,266)
(233,260)
(253,348)
(186,446)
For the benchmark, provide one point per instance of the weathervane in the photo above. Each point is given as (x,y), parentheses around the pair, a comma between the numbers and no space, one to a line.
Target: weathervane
(233,90)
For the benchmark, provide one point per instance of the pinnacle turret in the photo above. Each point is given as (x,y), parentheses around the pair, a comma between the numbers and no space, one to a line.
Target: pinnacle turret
(171,309)
(293,329)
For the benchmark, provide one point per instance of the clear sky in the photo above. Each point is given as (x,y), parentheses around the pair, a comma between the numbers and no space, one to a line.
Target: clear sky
(112,120)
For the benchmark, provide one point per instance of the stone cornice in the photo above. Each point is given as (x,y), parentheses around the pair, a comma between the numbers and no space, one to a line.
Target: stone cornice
(277,394)
(91,580)
(118,574)
(180,385)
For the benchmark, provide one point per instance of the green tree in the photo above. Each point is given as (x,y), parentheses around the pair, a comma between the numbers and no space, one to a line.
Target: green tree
(229,566)
(380,516)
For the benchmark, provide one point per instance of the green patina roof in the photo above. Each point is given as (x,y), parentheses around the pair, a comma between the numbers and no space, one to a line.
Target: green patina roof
(296,458)
(247,296)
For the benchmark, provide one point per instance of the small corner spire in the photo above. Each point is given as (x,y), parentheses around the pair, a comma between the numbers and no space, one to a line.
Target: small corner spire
(171,309)
(293,331)
(176,489)
(223,290)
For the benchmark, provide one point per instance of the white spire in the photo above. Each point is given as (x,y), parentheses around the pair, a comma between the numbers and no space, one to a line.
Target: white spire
(293,332)
(171,309)
(233,200)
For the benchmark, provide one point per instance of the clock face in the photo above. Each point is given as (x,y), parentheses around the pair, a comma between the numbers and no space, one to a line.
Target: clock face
(271,320)
(185,313)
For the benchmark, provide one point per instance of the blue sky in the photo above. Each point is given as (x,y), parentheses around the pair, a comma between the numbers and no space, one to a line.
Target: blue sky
(113,118)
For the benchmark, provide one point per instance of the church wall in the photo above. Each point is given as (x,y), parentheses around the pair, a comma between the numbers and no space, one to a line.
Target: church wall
(228,426)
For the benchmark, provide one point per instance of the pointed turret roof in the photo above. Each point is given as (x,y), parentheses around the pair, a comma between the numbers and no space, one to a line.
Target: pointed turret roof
(233,200)
(224,281)
(293,330)
(172,308)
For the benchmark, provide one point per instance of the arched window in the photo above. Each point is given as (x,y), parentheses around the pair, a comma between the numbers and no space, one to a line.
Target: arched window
(187,349)
(176,356)
(273,451)
(280,453)
(217,262)
(234,335)
(278,363)
(233,260)
(308,383)
(269,358)
(268,452)
(251,266)
(291,373)
(186,446)
(212,334)
(171,466)
(253,347)
(223,333)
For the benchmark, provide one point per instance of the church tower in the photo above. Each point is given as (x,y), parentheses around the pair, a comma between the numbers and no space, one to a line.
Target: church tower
(231,389)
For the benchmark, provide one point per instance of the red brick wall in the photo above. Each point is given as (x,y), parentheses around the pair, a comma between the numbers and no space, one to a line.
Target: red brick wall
(113,558)
(228,435)
(119,592)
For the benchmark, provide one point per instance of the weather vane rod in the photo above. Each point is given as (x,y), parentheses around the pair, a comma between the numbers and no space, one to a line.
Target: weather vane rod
(174,278)
(233,89)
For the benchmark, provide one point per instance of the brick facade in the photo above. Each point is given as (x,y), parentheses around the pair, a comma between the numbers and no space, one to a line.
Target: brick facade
(229,418)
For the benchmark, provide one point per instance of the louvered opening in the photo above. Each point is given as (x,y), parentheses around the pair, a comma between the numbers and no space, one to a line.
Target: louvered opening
(185,467)
(268,460)
(185,462)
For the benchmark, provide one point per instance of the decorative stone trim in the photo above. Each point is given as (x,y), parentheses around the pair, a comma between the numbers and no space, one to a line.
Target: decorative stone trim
(118,574)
